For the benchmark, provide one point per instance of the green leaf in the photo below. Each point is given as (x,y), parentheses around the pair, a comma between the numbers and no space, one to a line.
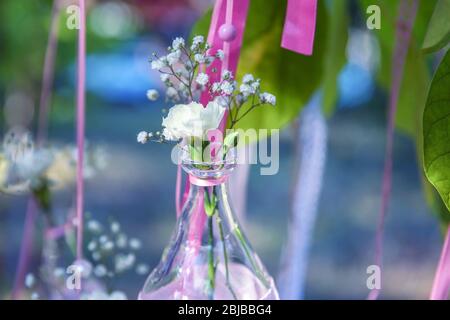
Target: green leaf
(291,77)
(438,33)
(413,92)
(335,54)
(436,131)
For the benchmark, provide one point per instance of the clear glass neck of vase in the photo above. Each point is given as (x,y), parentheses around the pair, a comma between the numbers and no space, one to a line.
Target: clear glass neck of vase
(209,256)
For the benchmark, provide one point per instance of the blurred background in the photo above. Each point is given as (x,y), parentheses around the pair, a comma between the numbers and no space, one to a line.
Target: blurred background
(135,185)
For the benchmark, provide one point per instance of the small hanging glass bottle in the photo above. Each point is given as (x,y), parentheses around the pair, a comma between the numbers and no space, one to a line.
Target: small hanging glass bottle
(209,256)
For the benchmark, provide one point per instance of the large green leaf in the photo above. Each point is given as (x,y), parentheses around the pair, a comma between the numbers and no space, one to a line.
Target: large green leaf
(438,33)
(334,54)
(290,76)
(413,92)
(436,131)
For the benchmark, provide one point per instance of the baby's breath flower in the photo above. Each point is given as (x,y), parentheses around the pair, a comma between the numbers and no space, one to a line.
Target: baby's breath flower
(202,79)
(200,58)
(158,64)
(209,60)
(268,98)
(152,95)
(34,296)
(142,137)
(246,90)
(227,75)
(172,93)
(255,85)
(227,88)
(173,57)
(248,78)
(220,54)
(164,77)
(177,43)
(215,86)
(198,40)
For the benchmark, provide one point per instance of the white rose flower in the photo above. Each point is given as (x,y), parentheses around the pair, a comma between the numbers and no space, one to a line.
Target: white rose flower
(191,120)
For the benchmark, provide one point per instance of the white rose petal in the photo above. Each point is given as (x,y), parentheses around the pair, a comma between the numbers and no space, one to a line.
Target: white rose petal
(191,120)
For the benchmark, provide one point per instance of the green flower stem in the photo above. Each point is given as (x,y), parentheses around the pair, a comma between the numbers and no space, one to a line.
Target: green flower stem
(211,266)
(238,233)
(225,258)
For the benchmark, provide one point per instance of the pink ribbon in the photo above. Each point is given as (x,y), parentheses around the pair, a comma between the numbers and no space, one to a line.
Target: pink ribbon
(299,26)
(441,284)
(207,182)
(81,126)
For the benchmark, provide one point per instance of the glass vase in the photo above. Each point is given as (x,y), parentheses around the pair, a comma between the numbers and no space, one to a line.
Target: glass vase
(209,256)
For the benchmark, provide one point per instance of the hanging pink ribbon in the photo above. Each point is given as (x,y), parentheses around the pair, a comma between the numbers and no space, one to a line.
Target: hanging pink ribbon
(81,126)
(441,284)
(299,26)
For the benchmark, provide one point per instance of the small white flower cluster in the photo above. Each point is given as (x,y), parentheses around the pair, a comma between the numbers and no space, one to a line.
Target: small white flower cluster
(179,67)
(185,80)
(112,251)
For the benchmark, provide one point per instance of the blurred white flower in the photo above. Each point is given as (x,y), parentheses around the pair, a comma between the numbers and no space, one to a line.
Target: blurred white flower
(142,269)
(152,95)
(123,262)
(115,227)
(94,226)
(135,244)
(92,246)
(29,280)
(142,137)
(100,271)
(121,241)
